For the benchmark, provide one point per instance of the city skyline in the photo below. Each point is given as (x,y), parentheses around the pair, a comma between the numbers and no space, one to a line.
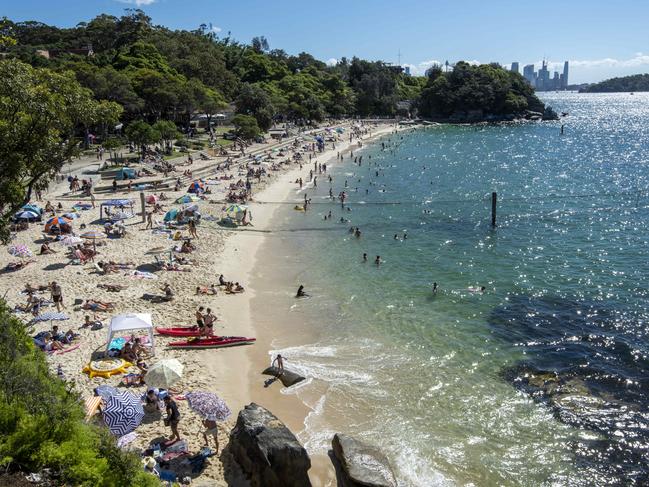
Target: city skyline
(587,34)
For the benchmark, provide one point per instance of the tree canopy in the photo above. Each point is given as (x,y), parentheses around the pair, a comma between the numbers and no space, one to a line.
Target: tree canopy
(41,112)
(487,88)
(636,82)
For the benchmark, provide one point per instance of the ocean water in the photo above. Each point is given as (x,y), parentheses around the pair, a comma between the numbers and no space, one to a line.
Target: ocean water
(541,380)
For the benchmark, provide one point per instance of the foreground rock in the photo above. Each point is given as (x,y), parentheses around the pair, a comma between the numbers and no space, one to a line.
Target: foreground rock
(266,450)
(361,464)
(287,378)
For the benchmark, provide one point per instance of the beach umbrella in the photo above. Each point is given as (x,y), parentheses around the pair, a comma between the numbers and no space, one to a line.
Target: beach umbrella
(123,413)
(164,373)
(151,199)
(188,198)
(82,205)
(106,392)
(94,236)
(71,215)
(208,405)
(57,221)
(35,208)
(235,211)
(171,215)
(70,241)
(27,215)
(20,250)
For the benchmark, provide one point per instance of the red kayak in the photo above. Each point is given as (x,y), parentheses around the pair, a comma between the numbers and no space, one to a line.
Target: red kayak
(179,331)
(213,342)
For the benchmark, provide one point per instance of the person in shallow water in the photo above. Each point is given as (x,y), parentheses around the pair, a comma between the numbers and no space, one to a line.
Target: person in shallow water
(434,288)
(279,363)
(364,257)
(377,261)
(300,292)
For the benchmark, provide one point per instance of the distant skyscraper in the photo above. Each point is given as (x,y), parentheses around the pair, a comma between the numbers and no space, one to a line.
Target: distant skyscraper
(529,74)
(407,70)
(565,75)
(515,67)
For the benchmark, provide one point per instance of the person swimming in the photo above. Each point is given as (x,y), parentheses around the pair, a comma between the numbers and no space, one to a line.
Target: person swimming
(300,292)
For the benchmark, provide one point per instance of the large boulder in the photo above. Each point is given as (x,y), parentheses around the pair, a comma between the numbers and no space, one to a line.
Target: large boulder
(287,377)
(361,464)
(266,450)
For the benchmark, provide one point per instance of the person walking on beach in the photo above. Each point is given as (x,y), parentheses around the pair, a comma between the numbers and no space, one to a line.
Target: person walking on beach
(173,417)
(208,322)
(211,430)
(280,364)
(149,220)
(57,295)
(191,226)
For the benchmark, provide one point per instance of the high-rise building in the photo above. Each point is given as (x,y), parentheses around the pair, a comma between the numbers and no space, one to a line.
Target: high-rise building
(529,74)
(515,67)
(406,70)
(564,85)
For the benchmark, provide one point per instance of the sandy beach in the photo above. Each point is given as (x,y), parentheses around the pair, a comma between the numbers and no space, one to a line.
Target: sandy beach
(233,373)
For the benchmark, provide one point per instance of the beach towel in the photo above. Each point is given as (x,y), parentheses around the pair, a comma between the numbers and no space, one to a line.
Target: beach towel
(117,343)
(126,439)
(141,275)
(92,405)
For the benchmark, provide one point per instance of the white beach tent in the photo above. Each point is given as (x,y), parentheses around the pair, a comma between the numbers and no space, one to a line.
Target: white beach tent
(131,322)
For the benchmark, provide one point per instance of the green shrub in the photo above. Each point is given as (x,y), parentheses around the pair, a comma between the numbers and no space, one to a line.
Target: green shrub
(41,421)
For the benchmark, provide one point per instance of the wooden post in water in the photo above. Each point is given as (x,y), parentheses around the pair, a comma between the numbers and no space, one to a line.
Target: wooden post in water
(143,206)
(494,200)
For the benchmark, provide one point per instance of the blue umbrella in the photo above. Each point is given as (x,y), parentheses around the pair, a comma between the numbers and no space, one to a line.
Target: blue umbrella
(27,215)
(123,413)
(171,215)
(34,208)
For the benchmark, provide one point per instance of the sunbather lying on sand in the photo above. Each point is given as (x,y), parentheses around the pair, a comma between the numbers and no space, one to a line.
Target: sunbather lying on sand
(115,288)
(173,267)
(93,305)
(16,266)
(33,289)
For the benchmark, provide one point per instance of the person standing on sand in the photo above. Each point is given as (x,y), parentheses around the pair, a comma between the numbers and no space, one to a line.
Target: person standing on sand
(173,417)
(191,226)
(211,429)
(57,295)
(199,317)
(149,220)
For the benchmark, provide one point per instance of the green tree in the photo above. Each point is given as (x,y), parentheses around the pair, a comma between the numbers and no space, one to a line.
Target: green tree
(40,112)
(246,126)
(41,421)
(253,100)
(141,134)
(167,131)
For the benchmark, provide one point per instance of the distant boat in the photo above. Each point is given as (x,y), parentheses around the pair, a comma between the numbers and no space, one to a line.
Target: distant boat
(632,93)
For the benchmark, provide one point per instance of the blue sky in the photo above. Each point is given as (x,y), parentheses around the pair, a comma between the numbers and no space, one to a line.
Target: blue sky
(600,38)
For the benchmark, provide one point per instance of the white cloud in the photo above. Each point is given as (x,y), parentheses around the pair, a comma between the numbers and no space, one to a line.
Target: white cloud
(138,3)
(332,61)
(215,29)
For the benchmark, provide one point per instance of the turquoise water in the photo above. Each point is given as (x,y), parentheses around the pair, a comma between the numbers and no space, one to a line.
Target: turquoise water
(541,380)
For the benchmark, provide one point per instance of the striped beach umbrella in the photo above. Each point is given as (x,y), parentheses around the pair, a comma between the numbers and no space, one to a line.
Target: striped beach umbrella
(57,221)
(208,405)
(27,215)
(20,251)
(188,198)
(164,373)
(123,413)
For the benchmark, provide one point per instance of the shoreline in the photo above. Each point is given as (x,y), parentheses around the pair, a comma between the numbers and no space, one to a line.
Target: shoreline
(254,320)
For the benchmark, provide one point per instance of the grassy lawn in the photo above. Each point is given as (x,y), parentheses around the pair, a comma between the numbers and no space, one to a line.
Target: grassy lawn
(175,154)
